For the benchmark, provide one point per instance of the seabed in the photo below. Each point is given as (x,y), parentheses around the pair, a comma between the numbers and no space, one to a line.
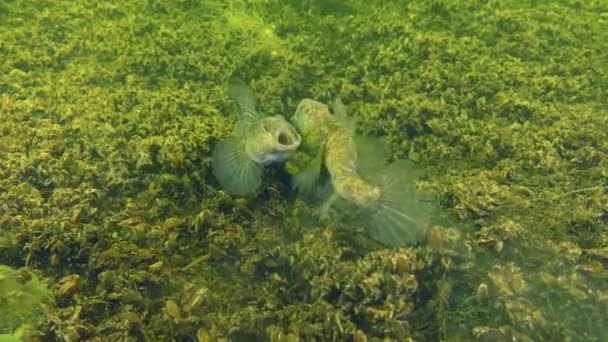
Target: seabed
(113,227)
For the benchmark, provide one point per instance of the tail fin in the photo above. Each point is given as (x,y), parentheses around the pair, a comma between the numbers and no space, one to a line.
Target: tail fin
(235,171)
(404,213)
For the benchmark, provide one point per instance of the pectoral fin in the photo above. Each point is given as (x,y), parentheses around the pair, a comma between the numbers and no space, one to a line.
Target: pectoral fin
(237,174)
(306,179)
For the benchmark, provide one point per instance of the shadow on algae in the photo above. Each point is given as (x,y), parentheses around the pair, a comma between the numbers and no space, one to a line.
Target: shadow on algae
(114,227)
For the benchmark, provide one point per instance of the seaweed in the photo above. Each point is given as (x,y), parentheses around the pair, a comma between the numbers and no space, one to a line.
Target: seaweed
(110,111)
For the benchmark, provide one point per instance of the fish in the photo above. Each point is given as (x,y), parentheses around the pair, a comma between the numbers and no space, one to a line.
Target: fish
(397,212)
(257,140)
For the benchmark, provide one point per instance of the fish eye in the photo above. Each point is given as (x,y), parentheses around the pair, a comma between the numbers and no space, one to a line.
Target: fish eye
(266,128)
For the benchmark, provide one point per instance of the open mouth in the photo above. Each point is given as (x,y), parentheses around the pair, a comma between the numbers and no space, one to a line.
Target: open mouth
(288,138)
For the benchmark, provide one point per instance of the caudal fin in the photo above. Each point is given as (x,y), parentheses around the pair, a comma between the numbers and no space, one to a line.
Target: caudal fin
(404,213)
(237,174)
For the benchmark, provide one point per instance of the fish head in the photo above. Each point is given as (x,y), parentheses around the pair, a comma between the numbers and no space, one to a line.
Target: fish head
(309,115)
(272,140)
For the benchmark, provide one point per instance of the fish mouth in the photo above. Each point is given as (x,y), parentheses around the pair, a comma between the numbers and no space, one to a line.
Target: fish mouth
(288,138)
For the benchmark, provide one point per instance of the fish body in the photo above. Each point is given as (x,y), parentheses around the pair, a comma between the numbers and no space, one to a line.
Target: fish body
(257,140)
(397,213)
(339,152)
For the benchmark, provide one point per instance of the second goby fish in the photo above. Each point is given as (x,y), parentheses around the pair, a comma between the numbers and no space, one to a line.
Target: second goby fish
(398,213)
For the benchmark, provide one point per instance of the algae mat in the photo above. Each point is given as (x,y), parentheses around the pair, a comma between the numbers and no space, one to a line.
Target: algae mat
(109,111)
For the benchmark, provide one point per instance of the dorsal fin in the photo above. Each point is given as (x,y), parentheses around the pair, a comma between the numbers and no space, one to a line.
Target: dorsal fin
(245,98)
(341,114)
(372,156)
(237,174)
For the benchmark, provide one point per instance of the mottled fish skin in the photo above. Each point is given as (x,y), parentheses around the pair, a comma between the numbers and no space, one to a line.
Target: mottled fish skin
(313,118)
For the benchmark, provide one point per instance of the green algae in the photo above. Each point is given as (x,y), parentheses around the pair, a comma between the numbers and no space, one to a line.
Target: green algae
(110,112)
(22,295)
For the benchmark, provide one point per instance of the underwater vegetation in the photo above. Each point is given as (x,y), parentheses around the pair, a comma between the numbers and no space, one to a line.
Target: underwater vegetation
(111,110)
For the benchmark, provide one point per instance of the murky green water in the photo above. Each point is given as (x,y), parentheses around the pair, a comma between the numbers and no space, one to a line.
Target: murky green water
(113,222)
